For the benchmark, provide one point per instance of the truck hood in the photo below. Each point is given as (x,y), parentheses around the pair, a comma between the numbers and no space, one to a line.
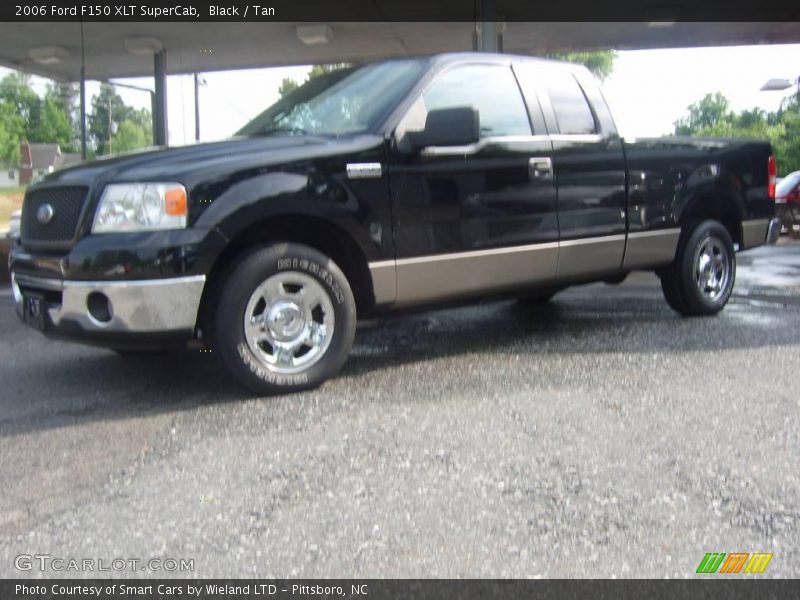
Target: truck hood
(190,164)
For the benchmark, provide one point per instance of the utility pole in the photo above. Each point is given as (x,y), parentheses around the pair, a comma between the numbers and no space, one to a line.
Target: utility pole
(109,124)
(196,109)
(83,113)
(198,81)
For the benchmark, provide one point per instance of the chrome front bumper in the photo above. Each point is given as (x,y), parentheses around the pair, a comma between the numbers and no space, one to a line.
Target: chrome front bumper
(149,306)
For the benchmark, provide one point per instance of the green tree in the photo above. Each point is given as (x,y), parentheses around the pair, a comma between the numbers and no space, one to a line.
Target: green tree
(712,117)
(318,70)
(130,135)
(790,104)
(54,126)
(67,94)
(143,119)
(708,112)
(15,89)
(108,112)
(12,131)
(599,62)
(26,116)
(288,85)
(751,118)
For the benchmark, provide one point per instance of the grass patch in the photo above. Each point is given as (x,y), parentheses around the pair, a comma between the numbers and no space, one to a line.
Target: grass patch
(10,200)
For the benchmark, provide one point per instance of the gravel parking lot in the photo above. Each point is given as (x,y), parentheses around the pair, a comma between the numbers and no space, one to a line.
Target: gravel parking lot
(601,435)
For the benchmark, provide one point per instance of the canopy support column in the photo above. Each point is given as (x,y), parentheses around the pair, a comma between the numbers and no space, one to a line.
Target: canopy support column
(160,103)
(488,26)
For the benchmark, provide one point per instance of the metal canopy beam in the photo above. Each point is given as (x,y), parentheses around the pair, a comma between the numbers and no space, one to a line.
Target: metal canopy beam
(205,46)
(213,46)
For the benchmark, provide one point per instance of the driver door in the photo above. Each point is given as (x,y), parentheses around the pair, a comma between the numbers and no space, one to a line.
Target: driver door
(480,218)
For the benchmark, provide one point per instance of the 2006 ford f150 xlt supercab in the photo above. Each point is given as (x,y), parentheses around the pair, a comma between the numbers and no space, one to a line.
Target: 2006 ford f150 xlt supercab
(401,183)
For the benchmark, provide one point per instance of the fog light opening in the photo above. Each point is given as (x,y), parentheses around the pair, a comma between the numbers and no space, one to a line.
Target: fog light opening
(99,307)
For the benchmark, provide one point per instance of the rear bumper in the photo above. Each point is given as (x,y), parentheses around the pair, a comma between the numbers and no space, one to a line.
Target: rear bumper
(758,232)
(157,307)
(774,231)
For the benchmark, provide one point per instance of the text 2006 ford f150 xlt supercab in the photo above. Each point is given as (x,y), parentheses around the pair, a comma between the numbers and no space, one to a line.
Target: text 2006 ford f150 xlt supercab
(401,183)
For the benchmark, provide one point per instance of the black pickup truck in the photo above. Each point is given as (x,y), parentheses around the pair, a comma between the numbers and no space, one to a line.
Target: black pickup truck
(401,183)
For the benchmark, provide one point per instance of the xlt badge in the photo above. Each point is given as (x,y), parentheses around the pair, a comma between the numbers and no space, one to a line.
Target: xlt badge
(364,170)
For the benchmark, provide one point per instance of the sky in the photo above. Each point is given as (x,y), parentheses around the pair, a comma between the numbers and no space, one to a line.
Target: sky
(647,91)
(650,89)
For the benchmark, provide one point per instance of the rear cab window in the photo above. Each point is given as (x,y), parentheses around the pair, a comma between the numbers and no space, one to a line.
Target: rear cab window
(572,111)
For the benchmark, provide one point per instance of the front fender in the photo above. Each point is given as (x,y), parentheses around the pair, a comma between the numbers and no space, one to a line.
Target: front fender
(284,194)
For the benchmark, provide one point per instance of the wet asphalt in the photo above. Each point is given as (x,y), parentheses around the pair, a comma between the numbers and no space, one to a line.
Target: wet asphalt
(600,435)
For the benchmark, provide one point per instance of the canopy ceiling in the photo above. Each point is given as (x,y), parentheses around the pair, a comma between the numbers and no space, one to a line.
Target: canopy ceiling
(213,46)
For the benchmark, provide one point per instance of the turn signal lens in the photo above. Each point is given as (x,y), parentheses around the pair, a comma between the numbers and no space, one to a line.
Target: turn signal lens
(175,202)
(772,172)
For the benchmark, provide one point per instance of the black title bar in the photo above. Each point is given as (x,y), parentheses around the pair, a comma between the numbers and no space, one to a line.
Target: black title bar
(398,10)
(406,589)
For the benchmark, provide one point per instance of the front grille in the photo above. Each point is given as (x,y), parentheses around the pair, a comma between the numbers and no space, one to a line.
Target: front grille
(66,202)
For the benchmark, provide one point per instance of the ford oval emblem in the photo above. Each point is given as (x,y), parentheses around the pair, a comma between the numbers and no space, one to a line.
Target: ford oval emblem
(45,214)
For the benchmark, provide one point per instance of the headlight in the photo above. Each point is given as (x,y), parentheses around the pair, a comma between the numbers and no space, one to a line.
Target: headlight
(141,207)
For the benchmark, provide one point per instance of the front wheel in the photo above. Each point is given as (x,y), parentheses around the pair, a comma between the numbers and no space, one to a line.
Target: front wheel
(700,281)
(285,319)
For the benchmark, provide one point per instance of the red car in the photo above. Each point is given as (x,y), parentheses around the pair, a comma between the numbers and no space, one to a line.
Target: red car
(787,203)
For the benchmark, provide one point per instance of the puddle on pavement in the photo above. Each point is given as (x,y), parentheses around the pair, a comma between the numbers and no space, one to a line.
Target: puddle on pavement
(763,275)
(744,313)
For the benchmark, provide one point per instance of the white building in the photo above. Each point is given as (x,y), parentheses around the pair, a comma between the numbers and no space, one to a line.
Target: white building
(9,175)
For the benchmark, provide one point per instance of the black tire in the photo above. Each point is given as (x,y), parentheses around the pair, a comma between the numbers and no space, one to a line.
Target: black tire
(672,293)
(681,282)
(285,261)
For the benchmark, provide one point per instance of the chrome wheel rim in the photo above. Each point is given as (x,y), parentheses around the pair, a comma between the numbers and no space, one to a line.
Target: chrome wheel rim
(289,322)
(712,268)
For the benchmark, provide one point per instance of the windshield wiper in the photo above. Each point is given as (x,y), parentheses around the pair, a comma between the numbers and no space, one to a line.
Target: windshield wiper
(276,129)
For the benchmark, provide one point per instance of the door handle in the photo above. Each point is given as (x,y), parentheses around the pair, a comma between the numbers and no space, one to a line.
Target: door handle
(540,168)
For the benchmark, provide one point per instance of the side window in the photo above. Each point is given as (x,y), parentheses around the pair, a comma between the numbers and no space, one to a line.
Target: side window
(492,89)
(569,103)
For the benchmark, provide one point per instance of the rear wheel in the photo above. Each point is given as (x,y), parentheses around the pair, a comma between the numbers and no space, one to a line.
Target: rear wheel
(285,319)
(700,281)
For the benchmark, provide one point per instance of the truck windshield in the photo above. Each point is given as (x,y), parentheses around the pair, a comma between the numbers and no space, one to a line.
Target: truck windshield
(351,100)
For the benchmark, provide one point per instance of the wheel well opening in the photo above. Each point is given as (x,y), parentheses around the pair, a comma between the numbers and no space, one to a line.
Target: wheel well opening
(718,208)
(319,234)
